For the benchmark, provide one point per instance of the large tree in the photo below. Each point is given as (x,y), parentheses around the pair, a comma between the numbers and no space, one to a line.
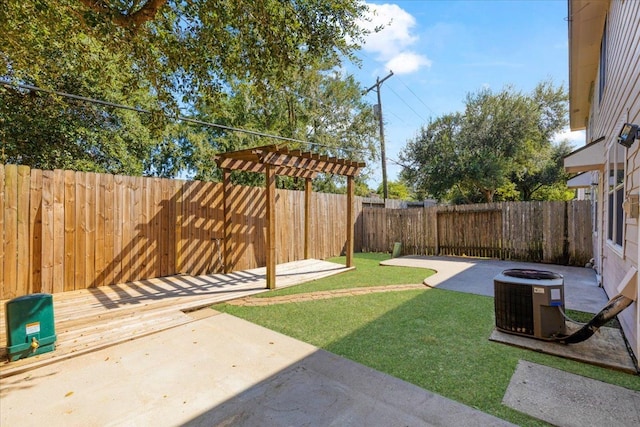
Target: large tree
(500,146)
(180,48)
(165,56)
(321,111)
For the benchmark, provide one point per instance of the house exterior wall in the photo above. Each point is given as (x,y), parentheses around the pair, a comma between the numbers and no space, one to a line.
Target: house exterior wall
(616,104)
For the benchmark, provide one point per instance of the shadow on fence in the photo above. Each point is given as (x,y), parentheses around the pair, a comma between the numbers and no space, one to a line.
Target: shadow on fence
(66,230)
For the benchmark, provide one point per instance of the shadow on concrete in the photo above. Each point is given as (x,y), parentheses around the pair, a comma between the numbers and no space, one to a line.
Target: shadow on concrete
(325,389)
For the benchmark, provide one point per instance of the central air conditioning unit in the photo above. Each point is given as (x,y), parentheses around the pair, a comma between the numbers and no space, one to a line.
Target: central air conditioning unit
(530,303)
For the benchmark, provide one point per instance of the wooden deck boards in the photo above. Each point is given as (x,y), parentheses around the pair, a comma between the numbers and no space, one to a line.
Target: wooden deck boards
(91,319)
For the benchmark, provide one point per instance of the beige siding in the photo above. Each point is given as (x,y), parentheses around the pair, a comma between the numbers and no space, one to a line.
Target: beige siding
(620,103)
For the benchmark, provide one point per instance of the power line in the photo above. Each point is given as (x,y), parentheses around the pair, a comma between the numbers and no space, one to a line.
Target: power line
(407,104)
(176,117)
(399,118)
(396,162)
(417,97)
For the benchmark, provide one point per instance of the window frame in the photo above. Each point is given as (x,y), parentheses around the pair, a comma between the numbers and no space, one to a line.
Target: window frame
(614,192)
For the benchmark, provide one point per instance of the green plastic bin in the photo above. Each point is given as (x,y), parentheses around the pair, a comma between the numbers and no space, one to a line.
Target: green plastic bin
(30,326)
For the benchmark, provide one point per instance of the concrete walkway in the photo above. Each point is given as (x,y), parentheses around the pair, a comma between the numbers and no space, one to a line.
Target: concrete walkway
(475,275)
(222,371)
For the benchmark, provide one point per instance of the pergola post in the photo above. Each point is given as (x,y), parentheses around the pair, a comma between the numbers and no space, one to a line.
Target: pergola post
(307,218)
(228,220)
(270,176)
(350,222)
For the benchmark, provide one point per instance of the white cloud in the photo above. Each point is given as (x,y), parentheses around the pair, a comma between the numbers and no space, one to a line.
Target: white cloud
(391,44)
(576,138)
(407,62)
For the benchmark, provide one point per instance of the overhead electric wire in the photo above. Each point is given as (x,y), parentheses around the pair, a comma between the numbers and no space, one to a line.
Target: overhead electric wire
(417,97)
(406,103)
(395,162)
(399,118)
(177,117)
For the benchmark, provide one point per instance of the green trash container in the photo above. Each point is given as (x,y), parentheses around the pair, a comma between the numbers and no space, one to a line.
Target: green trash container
(30,326)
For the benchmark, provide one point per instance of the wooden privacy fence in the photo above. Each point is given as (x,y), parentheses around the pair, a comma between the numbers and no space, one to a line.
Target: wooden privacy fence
(550,232)
(66,230)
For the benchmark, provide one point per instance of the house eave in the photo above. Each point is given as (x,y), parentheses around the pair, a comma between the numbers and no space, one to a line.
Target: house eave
(586,27)
(582,180)
(591,157)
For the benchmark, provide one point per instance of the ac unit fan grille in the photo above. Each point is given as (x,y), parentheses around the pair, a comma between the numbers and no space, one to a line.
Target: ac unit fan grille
(514,308)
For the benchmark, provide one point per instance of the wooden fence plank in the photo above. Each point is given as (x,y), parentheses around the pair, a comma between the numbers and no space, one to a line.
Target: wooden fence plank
(179,229)
(81,230)
(10,232)
(579,234)
(47,232)
(100,251)
(128,239)
(107,182)
(169,221)
(141,228)
(554,233)
(118,219)
(69,230)
(23,274)
(158,229)
(35,231)
(58,230)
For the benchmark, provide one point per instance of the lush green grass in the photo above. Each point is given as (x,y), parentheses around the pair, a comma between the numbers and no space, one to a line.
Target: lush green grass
(436,339)
(368,272)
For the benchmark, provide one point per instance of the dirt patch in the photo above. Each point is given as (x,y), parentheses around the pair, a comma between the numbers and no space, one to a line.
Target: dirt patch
(312,296)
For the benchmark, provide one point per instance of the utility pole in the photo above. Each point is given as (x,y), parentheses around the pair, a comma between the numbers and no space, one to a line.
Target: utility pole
(383,155)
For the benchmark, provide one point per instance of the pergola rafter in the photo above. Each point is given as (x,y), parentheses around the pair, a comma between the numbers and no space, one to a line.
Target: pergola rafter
(275,160)
(289,162)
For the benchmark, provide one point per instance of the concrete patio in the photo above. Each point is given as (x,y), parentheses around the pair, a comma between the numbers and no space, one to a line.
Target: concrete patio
(216,369)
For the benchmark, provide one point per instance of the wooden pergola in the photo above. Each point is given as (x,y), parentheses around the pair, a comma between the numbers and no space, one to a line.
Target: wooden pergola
(275,160)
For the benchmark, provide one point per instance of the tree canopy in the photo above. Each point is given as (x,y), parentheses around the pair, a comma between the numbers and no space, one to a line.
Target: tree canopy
(265,65)
(499,148)
(180,49)
(396,190)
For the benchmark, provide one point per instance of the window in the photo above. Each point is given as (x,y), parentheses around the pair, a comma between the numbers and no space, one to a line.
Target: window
(603,64)
(615,193)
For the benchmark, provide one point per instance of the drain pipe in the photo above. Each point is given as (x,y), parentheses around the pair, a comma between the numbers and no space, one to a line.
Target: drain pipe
(627,295)
(611,310)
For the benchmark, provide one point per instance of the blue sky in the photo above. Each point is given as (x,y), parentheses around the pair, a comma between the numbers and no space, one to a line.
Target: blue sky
(440,50)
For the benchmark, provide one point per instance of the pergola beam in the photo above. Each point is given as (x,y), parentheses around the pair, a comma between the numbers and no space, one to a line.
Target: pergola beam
(251,166)
(247,160)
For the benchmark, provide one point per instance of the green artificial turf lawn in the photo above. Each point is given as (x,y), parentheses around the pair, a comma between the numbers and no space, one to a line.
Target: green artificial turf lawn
(368,272)
(436,339)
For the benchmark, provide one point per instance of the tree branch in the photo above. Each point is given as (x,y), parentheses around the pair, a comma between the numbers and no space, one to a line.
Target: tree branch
(144,14)
(536,188)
